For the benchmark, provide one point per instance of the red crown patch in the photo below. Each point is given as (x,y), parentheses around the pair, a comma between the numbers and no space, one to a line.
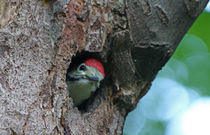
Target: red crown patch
(95,64)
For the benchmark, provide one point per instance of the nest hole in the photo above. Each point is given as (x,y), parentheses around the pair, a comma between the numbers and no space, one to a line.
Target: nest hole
(79,58)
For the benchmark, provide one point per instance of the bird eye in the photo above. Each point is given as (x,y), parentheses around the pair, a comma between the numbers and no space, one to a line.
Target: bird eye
(82,68)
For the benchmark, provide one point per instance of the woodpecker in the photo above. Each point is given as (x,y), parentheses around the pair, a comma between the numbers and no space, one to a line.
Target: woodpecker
(84,80)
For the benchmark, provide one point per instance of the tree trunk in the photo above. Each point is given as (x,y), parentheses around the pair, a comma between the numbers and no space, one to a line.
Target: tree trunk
(40,38)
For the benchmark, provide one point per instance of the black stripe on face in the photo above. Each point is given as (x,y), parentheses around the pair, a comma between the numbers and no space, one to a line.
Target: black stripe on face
(76,78)
(73,79)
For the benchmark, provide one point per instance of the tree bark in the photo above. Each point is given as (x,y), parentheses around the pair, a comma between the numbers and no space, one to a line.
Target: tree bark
(40,38)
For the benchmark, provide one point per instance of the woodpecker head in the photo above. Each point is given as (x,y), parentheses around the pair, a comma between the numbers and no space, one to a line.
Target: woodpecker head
(91,70)
(85,79)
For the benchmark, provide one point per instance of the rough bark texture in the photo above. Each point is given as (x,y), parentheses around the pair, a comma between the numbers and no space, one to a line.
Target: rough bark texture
(133,38)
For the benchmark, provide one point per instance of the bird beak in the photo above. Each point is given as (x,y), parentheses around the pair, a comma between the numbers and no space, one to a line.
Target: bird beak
(93,78)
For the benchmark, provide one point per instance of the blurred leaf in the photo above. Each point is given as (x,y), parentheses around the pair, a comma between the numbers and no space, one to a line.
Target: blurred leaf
(189,46)
(180,70)
(199,73)
(201,28)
